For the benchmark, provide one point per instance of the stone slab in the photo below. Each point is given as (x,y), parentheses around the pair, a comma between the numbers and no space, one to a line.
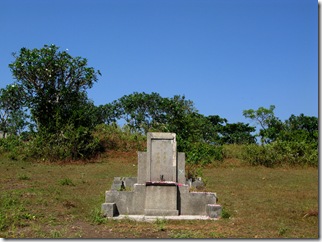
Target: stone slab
(144,218)
(142,159)
(161,198)
(181,173)
(213,210)
(109,210)
(161,157)
(161,212)
(130,181)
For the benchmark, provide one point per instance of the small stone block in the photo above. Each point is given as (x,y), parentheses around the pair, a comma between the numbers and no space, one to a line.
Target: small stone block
(213,210)
(197,184)
(117,185)
(109,209)
(130,181)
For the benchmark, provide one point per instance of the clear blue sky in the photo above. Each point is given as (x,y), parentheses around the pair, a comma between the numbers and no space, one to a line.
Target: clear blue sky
(224,55)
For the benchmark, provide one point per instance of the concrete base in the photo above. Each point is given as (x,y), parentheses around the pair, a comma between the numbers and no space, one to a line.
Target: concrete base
(144,218)
(161,212)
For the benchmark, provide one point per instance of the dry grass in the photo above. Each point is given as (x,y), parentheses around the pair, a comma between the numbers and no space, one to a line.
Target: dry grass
(51,200)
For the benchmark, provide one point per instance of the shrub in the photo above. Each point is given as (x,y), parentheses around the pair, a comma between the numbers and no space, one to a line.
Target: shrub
(260,155)
(281,152)
(203,153)
(97,217)
(13,146)
(233,151)
(225,214)
(193,171)
(113,137)
(72,144)
(66,182)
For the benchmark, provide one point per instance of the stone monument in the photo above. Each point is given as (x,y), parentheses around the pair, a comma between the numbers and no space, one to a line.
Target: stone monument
(161,188)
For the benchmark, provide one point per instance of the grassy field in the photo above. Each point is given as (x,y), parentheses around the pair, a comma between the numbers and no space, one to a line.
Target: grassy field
(52,200)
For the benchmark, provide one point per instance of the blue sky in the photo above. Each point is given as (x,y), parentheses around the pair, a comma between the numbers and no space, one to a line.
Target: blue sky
(224,55)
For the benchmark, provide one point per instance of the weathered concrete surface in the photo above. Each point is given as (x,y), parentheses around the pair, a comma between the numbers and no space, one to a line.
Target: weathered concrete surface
(161,157)
(181,168)
(109,209)
(142,160)
(145,218)
(161,200)
(213,210)
(130,181)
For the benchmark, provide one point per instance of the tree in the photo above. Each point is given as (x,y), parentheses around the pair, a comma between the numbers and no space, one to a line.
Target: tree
(274,127)
(150,112)
(141,111)
(108,113)
(12,114)
(237,133)
(263,117)
(216,128)
(54,84)
(301,128)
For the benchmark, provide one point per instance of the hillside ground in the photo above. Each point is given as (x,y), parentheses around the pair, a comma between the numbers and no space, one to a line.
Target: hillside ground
(63,200)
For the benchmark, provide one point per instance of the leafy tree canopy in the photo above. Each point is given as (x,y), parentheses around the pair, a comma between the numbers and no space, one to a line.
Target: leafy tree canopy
(12,115)
(262,116)
(54,84)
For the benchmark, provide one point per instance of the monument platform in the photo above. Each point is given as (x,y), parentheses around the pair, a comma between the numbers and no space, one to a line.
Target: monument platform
(144,218)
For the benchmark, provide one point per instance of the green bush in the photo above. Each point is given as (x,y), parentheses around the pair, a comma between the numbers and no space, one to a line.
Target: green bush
(66,182)
(233,151)
(281,152)
(72,144)
(113,137)
(296,153)
(255,155)
(13,146)
(203,153)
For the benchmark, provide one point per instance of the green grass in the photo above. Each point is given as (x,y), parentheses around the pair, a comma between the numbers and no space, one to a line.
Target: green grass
(66,182)
(258,202)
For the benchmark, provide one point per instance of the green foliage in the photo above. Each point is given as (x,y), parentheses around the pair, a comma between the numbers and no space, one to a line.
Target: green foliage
(96,217)
(282,230)
(263,117)
(12,211)
(233,151)
(203,153)
(301,128)
(184,235)
(23,177)
(114,137)
(282,152)
(13,146)
(73,143)
(294,142)
(12,113)
(141,111)
(193,171)
(54,84)
(225,214)
(66,182)
(150,112)
(161,224)
(237,133)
